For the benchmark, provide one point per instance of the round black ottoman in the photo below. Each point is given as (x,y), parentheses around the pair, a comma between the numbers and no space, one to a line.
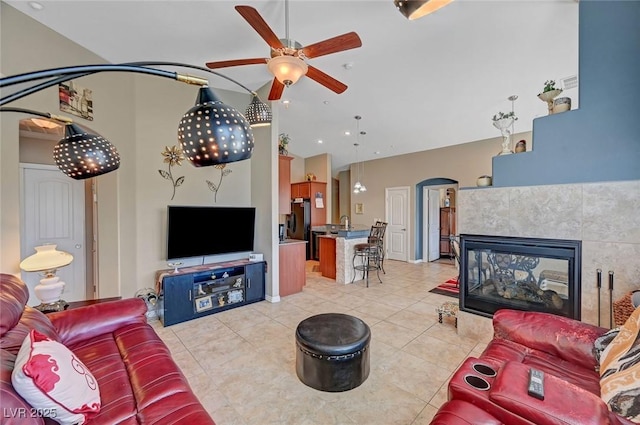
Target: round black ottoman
(332,352)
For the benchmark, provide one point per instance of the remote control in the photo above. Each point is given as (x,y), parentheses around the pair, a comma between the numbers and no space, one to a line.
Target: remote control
(536,383)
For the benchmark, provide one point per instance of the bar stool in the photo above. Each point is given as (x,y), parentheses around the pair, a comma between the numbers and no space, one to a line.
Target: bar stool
(370,256)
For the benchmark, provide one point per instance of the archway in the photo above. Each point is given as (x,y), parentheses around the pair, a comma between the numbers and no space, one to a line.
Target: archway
(433,183)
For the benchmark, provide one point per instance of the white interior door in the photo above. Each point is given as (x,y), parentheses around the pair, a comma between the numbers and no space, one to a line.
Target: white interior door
(433,225)
(52,211)
(397,213)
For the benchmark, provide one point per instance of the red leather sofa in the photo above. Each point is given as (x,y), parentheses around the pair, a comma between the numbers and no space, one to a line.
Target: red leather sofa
(560,347)
(137,378)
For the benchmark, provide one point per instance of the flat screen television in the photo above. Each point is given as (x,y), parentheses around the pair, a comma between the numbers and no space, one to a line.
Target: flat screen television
(198,231)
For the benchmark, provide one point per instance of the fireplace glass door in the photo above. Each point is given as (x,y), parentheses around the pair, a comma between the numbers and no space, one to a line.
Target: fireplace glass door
(519,273)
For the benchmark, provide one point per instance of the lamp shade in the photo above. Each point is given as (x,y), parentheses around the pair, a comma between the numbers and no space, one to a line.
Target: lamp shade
(258,113)
(81,155)
(287,69)
(414,9)
(214,133)
(47,257)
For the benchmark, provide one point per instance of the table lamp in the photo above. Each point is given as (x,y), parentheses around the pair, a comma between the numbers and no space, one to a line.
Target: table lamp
(47,260)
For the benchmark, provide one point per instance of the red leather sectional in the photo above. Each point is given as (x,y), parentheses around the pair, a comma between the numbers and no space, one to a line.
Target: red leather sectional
(560,347)
(138,380)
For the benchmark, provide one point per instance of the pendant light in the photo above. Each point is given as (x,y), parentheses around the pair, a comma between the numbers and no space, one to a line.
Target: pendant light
(358,187)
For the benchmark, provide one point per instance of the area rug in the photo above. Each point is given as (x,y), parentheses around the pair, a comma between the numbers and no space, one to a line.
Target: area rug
(449,288)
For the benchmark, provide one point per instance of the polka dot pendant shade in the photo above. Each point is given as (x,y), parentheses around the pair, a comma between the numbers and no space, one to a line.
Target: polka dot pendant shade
(213,133)
(81,155)
(258,113)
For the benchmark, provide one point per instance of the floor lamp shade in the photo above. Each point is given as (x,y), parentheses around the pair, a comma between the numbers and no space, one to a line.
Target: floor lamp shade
(258,113)
(214,133)
(81,155)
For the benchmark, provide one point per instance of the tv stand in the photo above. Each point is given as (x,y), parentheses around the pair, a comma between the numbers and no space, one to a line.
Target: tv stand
(198,291)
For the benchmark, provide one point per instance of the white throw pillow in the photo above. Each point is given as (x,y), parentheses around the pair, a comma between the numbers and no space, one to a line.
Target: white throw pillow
(54,381)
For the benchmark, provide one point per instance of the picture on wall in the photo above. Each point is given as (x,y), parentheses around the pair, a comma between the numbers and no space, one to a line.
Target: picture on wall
(76,100)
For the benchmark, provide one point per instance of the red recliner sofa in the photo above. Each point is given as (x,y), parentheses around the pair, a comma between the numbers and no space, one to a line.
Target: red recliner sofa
(560,347)
(137,378)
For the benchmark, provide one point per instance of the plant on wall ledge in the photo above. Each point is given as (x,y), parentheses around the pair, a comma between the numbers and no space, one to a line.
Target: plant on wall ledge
(173,156)
(283,142)
(215,187)
(504,115)
(549,85)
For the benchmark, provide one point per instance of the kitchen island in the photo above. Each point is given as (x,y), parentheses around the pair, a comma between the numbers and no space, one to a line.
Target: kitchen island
(338,242)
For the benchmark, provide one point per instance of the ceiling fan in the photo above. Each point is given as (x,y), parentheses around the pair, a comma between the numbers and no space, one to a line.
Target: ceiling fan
(288,57)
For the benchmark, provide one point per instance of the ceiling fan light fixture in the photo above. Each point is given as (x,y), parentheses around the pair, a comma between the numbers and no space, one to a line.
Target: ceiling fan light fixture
(414,9)
(287,69)
(258,113)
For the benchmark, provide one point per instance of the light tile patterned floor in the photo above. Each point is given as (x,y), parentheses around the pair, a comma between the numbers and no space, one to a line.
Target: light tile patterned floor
(241,362)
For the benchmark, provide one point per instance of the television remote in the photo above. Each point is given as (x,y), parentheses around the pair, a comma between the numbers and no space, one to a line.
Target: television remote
(536,383)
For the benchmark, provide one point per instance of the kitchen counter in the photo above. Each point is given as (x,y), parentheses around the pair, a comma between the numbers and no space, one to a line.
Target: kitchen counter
(354,231)
(292,241)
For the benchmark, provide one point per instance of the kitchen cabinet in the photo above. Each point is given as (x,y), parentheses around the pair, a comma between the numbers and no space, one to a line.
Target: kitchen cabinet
(447,228)
(328,256)
(284,184)
(301,190)
(293,276)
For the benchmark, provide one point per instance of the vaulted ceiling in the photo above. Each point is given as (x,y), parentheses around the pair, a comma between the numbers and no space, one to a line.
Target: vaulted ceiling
(418,85)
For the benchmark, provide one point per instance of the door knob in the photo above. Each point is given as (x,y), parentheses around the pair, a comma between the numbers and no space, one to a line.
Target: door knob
(404,230)
(78,246)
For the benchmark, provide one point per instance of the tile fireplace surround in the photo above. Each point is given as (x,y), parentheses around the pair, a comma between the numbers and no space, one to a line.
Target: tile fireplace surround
(604,216)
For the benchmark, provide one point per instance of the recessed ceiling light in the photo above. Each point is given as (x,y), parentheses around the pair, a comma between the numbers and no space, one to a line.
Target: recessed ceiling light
(326,102)
(376,153)
(36,6)
(320,141)
(347,133)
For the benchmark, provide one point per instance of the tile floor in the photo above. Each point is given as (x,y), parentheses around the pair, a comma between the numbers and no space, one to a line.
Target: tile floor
(241,362)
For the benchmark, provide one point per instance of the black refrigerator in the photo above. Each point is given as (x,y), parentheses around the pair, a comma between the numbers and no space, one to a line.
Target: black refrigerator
(299,223)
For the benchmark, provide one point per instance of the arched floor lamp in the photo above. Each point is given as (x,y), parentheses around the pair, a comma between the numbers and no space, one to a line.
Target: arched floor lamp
(210,133)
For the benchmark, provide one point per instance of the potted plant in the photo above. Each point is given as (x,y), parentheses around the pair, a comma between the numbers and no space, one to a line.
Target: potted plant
(502,121)
(283,141)
(549,92)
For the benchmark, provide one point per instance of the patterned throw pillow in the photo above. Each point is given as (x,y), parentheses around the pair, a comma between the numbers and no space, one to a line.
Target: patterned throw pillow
(620,370)
(52,379)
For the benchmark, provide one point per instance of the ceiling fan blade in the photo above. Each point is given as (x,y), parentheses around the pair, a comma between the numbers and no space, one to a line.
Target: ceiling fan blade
(236,62)
(254,19)
(276,90)
(326,80)
(340,43)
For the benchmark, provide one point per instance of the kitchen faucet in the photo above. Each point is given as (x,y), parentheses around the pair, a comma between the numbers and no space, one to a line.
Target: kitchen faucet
(346,221)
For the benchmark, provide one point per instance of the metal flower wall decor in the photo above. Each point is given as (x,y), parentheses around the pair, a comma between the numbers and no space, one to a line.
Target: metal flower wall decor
(215,187)
(173,156)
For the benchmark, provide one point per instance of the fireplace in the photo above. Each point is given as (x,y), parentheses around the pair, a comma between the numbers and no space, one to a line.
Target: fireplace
(528,274)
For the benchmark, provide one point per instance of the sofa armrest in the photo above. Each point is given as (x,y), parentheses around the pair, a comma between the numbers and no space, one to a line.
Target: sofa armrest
(564,403)
(568,339)
(90,321)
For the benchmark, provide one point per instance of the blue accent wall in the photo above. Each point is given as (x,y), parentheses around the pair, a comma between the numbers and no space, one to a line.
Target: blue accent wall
(438,181)
(601,140)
